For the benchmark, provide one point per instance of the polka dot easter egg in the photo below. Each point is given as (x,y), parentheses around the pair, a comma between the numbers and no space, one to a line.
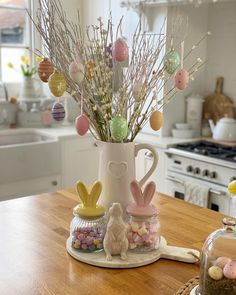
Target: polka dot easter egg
(181,79)
(120,50)
(82,124)
(76,72)
(45,70)
(58,111)
(57,84)
(156,120)
(171,61)
(118,128)
(230,270)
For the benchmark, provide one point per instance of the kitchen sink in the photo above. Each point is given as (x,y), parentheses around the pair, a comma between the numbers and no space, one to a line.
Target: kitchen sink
(27,154)
(22,138)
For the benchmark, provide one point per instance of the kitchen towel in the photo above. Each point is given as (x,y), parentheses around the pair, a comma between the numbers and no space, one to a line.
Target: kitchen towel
(196,194)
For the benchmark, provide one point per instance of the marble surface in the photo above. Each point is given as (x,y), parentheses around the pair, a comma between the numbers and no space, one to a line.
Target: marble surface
(135,259)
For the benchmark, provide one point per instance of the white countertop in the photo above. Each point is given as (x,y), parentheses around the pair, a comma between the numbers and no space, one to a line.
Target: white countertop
(69,132)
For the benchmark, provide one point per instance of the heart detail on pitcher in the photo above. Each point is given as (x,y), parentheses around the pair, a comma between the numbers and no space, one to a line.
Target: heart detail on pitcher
(117,169)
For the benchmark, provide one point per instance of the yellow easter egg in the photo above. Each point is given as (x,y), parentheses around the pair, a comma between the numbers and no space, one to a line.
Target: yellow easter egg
(57,83)
(156,120)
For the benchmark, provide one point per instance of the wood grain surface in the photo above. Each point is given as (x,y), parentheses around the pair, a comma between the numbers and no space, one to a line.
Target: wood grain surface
(33,257)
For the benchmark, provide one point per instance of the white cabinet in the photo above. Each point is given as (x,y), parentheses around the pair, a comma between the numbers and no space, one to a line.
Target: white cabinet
(144,161)
(30,187)
(79,161)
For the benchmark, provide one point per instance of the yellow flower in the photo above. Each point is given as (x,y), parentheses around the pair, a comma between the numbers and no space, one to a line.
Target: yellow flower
(25,60)
(10,65)
(38,58)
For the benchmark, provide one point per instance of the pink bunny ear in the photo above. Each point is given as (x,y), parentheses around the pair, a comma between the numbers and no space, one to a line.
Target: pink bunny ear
(137,193)
(149,192)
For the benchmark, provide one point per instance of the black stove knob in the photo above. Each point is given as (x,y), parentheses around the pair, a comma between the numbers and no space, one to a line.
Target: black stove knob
(189,169)
(196,170)
(213,174)
(205,172)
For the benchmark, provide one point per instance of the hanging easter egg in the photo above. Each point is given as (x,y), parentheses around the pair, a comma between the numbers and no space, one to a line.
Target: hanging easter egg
(156,120)
(76,72)
(171,61)
(82,124)
(137,90)
(57,84)
(118,128)
(45,70)
(120,50)
(58,111)
(90,69)
(181,79)
(108,56)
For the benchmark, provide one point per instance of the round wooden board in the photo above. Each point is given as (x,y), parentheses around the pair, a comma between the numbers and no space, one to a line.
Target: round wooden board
(194,291)
(134,259)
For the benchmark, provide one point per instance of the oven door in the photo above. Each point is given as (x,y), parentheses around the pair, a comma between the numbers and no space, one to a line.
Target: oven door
(218,196)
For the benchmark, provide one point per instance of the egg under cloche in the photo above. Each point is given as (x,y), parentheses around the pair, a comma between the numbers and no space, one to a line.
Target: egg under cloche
(218,261)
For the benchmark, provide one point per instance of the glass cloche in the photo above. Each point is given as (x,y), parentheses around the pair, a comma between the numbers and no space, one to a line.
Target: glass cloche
(218,261)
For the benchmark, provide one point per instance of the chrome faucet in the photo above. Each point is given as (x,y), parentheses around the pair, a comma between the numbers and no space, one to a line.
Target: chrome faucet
(5,90)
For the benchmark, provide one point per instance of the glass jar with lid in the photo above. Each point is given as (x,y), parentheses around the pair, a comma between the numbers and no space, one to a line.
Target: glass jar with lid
(143,224)
(218,261)
(88,227)
(232,201)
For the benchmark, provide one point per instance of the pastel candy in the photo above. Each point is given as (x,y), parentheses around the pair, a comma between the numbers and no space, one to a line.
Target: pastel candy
(181,79)
(230,270)
(142,231)
(134,226)
(222,261)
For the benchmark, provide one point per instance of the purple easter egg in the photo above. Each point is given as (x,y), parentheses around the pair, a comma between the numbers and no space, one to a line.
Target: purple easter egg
(82,124)
(181,79)
(108,56)
(120,50)
(58,111)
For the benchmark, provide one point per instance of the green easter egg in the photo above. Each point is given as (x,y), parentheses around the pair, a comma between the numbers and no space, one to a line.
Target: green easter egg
(171,61)
(119,128)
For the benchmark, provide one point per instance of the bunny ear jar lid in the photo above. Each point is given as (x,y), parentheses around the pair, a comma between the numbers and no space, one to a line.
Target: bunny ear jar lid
(88,207)
(142,200)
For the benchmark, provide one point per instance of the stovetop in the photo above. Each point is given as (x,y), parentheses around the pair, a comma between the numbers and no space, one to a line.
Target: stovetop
(209,149)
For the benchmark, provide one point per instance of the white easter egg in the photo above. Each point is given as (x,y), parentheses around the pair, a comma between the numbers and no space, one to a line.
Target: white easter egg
(76,72)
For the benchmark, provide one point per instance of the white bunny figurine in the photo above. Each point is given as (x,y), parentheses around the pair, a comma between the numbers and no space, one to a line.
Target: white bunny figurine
(115,240)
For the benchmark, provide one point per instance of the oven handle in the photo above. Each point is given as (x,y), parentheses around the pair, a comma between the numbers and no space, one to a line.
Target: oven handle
(216,192)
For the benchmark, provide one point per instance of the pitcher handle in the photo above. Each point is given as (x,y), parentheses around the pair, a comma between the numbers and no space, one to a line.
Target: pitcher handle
(143,146)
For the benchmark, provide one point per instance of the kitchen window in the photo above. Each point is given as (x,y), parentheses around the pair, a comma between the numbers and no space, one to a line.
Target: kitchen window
(15,37)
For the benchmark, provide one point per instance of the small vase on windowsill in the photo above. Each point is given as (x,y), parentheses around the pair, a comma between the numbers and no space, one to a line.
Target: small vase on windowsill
(28,89)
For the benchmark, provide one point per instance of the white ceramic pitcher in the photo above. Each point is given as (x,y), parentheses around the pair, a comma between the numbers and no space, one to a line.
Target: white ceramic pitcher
(117,170)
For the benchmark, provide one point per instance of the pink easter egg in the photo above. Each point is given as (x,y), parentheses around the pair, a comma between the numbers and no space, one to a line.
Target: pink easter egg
(82,124)
(230,270)
(120,50)
(181,79)
(47,118)
(222,261)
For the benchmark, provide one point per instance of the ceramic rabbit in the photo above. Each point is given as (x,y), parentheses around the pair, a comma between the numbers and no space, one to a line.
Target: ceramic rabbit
(142,198)
(115,240)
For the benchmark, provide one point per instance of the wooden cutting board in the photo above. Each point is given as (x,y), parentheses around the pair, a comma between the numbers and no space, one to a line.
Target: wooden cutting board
(218,105)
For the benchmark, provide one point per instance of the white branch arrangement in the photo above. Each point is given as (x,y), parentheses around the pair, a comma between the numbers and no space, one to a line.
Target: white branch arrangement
(107,88)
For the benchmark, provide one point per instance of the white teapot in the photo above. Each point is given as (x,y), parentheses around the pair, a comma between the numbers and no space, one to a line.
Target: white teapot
(224,130)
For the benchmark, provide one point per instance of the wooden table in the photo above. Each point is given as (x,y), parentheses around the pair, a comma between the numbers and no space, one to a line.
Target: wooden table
(33,257)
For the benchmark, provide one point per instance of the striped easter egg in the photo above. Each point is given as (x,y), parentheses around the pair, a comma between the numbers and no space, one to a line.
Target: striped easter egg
(45,69)
(58,111)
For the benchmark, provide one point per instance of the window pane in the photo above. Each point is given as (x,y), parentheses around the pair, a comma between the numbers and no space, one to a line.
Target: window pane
(12,55)
(21,3)
(12,26)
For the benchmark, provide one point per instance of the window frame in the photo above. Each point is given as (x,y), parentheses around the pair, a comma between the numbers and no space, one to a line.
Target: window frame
(30,39)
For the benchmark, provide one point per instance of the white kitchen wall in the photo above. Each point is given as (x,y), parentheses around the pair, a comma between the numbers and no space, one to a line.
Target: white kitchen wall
(221,49)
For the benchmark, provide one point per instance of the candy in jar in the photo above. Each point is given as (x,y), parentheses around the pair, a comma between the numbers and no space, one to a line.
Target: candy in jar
(143,224)
(88,227)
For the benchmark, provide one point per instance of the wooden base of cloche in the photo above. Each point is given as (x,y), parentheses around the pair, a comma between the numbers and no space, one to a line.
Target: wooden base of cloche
(135,259)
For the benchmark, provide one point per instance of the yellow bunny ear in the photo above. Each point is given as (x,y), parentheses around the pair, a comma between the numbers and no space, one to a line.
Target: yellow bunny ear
(83,193)
(95,193)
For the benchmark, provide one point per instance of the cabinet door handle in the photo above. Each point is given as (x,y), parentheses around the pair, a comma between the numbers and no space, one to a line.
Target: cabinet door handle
(95,144)
(149,155)
(54,183)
